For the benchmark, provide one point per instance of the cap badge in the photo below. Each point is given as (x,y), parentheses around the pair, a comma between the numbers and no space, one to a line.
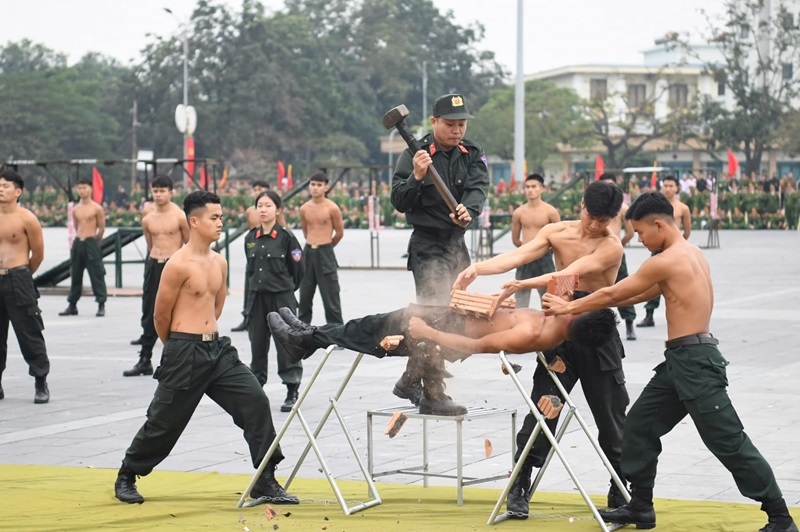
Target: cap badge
(457,101)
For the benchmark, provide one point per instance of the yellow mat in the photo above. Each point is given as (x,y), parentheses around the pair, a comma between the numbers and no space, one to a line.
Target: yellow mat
(36,498)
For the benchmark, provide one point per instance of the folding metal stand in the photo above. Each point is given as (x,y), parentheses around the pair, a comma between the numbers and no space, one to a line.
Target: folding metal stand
(313,444)
(571,412)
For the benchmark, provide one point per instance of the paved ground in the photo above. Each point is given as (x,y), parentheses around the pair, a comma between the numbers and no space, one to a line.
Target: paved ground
(95,412)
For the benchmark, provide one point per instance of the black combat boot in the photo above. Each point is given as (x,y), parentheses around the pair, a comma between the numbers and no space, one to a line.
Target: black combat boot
(298,345)
(270,490)
(138,341)
(518,500)
(71,310)
(409,386)
(125,487)
(101,310)
(291,397)
(434,401)
(615,498)
(294,322)
(42,392)
(241,327)
(779,518)
(647,321)
(142,367)
(630,333)
(2,394)
(639,511)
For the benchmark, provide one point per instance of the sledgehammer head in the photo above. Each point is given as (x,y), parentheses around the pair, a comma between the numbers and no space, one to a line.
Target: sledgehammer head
(394,116)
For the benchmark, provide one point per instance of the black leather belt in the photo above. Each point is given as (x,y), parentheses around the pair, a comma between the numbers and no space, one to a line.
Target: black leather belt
(692,339)
(204,337)
(159,261)
(317,246)
(7,271)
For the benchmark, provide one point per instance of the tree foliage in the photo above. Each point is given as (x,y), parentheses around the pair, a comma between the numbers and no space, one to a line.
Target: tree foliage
(760,60)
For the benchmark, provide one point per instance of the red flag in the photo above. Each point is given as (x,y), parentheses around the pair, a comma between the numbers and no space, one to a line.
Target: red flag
(203,178)
(599,167)
(733,164)
(97,185)
(289,181)
(190,157)
(281,174)
(654,177)
(224,180)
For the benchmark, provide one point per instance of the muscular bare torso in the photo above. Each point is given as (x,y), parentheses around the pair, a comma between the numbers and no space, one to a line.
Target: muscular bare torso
(16,224)
(317,219)
(531,219)
(165,230)
(201,277)
(688,290)
(88,217)
(570,244)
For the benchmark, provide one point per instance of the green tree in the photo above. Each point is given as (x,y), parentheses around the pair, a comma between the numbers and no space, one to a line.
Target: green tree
(760,50)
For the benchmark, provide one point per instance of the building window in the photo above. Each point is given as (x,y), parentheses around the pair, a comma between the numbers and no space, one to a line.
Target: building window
(744,31)
(720,88)
(598,89)
(678,95)
(788,71)
(637,95)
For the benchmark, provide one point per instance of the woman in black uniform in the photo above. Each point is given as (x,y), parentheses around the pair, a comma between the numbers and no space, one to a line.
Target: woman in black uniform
(274,271)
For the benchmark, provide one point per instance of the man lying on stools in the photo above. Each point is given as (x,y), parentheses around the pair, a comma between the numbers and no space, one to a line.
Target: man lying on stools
(435,332)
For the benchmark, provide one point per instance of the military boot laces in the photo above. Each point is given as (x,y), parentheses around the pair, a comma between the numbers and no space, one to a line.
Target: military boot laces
(268,489)
(125,487)
(407,387)
(42,391)
(142,367)
(435,402)
(615,498)
(518,500)
(292,393)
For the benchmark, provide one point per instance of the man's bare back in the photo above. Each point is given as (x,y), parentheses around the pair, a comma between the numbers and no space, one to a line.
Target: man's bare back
(89,219)
(321,222)
(165,230)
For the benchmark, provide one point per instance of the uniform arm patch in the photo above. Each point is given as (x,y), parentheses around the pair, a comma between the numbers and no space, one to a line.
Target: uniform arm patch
(297,255)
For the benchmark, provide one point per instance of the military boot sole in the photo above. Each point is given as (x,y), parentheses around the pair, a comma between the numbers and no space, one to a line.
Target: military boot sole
(41,399)
(646,323)
(289,339)
(137,372)
(436,408)
(625,515)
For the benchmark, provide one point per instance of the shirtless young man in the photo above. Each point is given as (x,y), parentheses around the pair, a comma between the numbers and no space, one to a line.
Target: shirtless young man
(253,221)
(526,222)
(197,361)
(165,231)
(90,224)
(323,228)
(692,378)
(616,226)
(683,216)
(21,254)
(587,248)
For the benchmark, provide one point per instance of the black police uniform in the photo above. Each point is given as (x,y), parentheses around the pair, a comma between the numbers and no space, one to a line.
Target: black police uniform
(626,313)
(86,255)
(19,307)
(193,365)
(153,268)
(321,269)
(692,380)
(541,266)
(275,268)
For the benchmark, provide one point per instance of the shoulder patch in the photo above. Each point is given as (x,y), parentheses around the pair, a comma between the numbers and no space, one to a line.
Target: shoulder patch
(485,162)
(297,255)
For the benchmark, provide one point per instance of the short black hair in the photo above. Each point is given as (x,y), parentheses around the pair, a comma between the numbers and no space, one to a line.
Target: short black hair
(10,175)
(608,176)
(602,199)
(261,183)
(161,181)
(271,194)
(535,177)
(85,181)
(319,176)
(671,178)
(650,204)
(593,329)
(198,200)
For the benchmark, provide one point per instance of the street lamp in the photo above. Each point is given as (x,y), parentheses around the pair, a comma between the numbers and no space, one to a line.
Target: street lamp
(185,115)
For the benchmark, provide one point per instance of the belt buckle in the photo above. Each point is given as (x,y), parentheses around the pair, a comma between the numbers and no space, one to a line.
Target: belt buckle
(208,337)
(4,271)
(314,246)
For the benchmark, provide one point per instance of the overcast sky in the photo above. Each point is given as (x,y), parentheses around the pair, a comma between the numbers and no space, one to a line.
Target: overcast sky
(557,32)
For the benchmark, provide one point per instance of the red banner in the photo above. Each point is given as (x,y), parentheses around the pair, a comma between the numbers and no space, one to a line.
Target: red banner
(599,167)
(733,164)
(98,187)
(189,165)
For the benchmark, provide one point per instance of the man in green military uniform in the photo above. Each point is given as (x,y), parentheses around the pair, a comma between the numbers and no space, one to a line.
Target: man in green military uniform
(436,249)
(691,380)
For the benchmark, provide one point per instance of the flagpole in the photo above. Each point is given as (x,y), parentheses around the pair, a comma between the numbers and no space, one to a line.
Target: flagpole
(519,103)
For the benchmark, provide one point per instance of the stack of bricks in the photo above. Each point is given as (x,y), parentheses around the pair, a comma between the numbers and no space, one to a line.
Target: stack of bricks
(477,305)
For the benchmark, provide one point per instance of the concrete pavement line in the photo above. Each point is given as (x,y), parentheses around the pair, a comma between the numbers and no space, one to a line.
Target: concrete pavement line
(58,428)
(761,295)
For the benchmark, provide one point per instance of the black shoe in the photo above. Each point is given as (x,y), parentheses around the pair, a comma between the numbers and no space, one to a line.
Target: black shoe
(434,402)
(779,518)
(138,341)
(268,489)
(518,500)
(647,321)
(125,487)
(408,388)
(294,322)
(42,392)
(298,346)
(142,367)
(241,327)
(71,310)
(644,518)
(631,333)
(615,497)
(291,397)
(101,310)
(2,393)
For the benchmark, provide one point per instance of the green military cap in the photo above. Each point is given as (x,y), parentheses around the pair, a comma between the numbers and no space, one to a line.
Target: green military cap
(451,107)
